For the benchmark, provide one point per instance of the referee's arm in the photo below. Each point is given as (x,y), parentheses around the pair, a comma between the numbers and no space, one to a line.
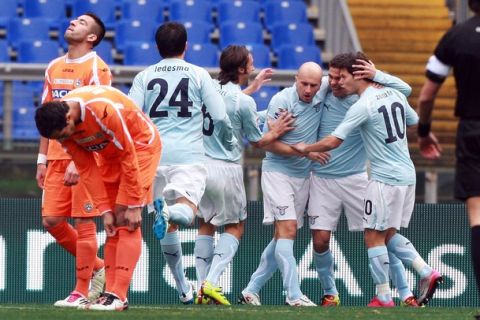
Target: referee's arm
(436,73)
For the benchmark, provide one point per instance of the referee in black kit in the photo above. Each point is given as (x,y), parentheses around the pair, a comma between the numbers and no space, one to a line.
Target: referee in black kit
(459,49)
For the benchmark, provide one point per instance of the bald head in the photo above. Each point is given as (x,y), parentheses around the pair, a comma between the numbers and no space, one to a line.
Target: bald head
(308,81)
(311,69)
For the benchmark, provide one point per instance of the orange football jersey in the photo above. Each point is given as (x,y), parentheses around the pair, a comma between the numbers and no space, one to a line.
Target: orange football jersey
(113,127)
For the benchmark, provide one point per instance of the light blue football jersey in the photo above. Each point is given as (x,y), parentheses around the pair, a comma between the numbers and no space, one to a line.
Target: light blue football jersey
(350,157)
(242,111)
(307,120)
(382,115)
(177,95)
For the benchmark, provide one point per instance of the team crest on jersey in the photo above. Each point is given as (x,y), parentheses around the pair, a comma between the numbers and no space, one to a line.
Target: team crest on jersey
(88,207)
(317,107)
(78,83)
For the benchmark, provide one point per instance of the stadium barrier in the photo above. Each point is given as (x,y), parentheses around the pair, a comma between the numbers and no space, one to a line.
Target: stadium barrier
(33,269)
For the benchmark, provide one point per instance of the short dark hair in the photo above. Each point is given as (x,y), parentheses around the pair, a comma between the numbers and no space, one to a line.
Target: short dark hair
(171,39)
(474,5)
(347,60)
(98,30)
(232,58)
(51,117)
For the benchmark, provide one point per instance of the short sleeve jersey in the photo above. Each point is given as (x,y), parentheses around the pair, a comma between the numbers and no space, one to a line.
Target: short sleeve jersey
(63,75)
(460,48)
(113,127)
(382,115)
(176,95)
(242,111)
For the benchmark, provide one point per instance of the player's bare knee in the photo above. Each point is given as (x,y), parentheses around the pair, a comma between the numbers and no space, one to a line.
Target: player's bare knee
(235,229)
(286,229)
(321,240)
(205,228)
(390,233)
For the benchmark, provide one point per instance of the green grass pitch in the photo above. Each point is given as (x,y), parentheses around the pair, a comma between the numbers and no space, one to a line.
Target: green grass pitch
(33,312)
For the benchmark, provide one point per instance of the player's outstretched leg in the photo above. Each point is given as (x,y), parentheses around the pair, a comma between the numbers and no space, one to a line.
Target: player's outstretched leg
(429,278)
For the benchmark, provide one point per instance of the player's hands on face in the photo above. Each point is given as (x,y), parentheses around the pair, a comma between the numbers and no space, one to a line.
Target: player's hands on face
(367,70)
(320,157)
(40,176)
(71,175)
(430,148)
(133,218)
(109,224)
(282,124)
(300,147)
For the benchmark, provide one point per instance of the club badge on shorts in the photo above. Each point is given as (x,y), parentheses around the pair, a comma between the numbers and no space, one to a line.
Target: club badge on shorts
(281,210)
(88,207)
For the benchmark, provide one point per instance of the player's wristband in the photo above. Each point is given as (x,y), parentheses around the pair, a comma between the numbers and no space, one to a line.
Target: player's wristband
(424,129)
(42,158)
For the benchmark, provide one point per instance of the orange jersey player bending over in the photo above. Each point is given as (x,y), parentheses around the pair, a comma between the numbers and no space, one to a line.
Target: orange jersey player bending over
(103,120)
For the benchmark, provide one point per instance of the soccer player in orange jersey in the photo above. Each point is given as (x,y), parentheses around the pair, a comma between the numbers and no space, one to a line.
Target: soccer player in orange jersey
(64,195)
(102,120)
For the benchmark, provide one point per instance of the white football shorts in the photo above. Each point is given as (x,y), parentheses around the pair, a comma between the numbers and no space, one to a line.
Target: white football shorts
(224,201)
(176,181)
(387,206)
(284,197)
(330,197)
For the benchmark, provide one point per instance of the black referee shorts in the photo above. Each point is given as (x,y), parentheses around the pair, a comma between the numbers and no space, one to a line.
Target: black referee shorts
(467,175)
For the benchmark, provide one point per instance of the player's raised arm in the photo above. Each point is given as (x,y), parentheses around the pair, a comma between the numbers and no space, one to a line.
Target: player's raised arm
(368,71)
